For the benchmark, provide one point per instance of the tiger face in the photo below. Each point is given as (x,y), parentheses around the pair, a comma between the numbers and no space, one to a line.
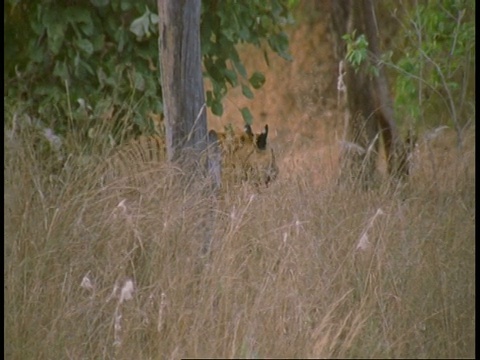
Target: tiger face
(243,157)
(246,157)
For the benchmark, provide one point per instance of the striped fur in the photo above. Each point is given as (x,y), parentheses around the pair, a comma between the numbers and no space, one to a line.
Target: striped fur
(247,157)
(244,156)
(135,163)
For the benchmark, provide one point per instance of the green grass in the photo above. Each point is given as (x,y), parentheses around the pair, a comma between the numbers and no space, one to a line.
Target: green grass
(284,277)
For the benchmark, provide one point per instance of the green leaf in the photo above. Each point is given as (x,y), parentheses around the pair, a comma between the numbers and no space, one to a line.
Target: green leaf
(154,19)
(98,42)
(87,28)
(219,88)
(77,14)
(36,52)
(453,85)
(375,71)
(209,98)
(85,45)
(217,108)
(244,33)
(231,77)
(265,56)
(61,70)
(80,16)
(292,3)
(125,5)
(141,26)
(247,116)
(214,70)
(247,92)
(240,68)
(279,44)
(229,34)
(87,67)
(139,82)
(257,80)
(99,3)
(38,27)
(266,21)
(56,35)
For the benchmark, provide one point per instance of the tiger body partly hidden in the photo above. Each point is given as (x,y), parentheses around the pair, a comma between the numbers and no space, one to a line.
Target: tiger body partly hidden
(245,156)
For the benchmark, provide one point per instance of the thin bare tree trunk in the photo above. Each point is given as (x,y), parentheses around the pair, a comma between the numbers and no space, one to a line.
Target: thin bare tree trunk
(394,147)
(181,77)
(368,99)
(185,108)
(359,156)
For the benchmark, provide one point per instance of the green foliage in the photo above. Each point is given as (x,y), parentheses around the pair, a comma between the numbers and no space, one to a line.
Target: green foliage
(107,50)
(257,80)
(59,53)
(435,61)
(357,52)
(247,115)
(226,23)
(357,47)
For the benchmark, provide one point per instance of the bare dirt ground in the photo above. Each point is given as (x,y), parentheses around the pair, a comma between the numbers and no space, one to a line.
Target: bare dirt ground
(299,98)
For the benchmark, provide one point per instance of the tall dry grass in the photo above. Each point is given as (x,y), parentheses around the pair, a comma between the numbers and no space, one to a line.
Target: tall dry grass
(295,270)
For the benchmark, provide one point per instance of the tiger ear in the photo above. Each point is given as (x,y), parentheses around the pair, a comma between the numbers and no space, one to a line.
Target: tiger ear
(262,139)
(212,137)
(248,130)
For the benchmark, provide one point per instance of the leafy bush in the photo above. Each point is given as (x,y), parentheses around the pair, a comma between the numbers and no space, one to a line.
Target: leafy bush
(105,53)
(435,62)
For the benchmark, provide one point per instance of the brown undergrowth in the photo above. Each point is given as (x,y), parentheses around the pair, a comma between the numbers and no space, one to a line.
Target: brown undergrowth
(294,270)
(301,269)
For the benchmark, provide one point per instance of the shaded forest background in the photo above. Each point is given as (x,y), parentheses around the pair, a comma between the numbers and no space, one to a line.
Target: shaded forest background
(302,269)
(75,75)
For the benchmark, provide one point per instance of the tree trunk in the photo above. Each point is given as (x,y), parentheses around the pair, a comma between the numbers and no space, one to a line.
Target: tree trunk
(185,108)
(395,151)
(368,99)
(181,78)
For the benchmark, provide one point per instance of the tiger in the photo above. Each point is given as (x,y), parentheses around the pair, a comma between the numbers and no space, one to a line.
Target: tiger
(244,156)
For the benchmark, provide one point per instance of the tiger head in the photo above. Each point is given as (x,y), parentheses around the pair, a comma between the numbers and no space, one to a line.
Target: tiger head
(246,156)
